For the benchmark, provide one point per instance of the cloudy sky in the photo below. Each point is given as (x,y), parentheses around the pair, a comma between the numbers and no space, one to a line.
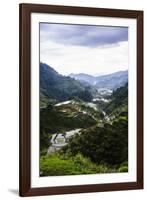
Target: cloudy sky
(87,49)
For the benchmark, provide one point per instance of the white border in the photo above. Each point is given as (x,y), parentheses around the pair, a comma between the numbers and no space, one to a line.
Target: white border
(37,181)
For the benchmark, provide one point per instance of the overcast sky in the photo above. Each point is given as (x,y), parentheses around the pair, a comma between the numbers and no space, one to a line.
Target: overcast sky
(87,49)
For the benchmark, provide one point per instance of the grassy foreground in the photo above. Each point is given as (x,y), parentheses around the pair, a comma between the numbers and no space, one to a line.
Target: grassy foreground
(57,165)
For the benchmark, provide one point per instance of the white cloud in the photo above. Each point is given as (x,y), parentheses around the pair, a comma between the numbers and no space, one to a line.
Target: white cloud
(68,59)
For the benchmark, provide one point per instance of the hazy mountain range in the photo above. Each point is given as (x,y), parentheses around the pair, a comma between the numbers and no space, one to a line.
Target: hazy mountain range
(110,81)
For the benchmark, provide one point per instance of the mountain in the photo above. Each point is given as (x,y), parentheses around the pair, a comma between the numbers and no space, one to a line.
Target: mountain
(118,106)
(83,77)
(110,81)
(61,88)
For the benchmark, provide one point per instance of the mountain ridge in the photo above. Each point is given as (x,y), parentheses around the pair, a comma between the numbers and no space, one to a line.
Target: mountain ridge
(56,86)
(109,81)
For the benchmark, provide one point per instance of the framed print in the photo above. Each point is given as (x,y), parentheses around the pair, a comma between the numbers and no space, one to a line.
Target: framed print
(81,99)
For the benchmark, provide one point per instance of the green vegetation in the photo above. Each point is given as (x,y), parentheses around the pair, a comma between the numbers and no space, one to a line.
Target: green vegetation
(119,100)
(101,145)
(62,88)
(57,164)
(60,119)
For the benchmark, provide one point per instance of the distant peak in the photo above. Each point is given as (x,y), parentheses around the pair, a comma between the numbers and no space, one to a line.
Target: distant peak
(80,74)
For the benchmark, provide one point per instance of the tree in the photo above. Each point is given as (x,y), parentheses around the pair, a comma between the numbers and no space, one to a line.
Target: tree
(108,144)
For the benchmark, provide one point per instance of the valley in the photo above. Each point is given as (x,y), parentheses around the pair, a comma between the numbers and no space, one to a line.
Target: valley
(83,126)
